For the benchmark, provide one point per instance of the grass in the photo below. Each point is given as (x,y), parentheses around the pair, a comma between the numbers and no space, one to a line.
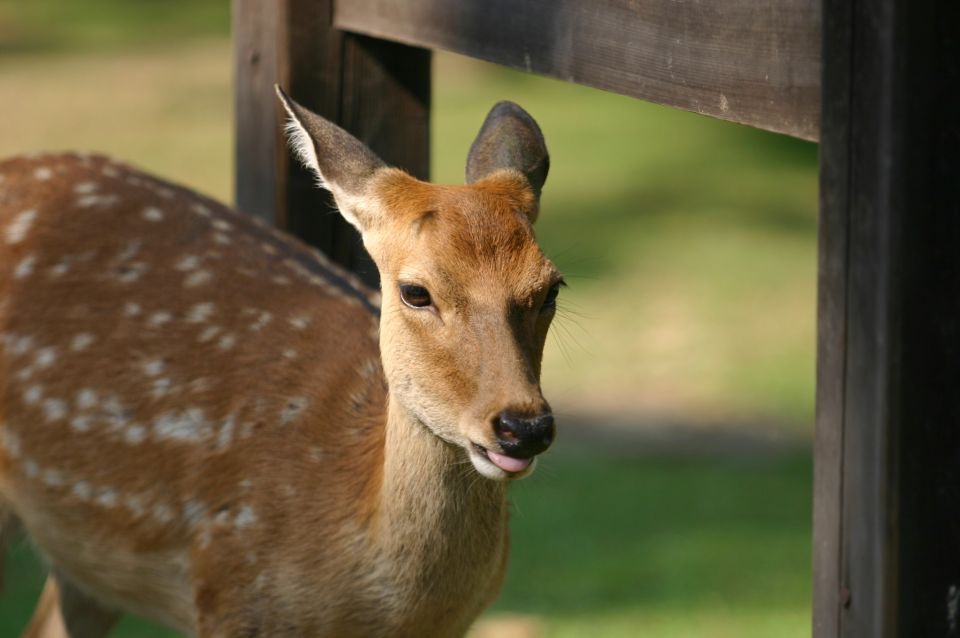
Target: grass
(690,248)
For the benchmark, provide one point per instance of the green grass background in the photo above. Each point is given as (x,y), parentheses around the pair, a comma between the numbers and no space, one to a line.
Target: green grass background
(689,245)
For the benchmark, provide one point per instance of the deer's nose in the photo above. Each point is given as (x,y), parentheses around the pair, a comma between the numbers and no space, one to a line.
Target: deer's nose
(521,436)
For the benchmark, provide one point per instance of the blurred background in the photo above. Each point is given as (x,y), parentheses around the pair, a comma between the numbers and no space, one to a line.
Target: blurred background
(677,499)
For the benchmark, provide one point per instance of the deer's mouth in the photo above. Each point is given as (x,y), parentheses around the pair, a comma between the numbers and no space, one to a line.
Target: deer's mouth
(496,465)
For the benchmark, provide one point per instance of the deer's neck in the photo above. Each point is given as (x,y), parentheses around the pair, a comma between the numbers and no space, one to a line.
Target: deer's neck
(441,525)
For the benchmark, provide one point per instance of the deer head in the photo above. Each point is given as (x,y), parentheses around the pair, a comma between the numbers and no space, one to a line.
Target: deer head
(468,295)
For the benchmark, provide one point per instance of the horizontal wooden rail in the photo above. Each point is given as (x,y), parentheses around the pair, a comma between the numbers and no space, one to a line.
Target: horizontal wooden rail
(756,62)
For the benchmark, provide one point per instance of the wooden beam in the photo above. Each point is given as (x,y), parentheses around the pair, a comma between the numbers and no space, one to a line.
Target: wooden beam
(377,90)
(887,471)
(750,61)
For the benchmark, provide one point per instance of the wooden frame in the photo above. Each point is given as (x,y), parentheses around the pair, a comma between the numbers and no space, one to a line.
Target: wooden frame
(887,448)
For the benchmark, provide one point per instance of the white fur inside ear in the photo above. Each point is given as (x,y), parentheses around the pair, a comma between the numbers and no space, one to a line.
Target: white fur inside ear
(302,146)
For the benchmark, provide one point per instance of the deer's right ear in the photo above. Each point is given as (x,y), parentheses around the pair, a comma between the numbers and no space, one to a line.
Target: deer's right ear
(342,163)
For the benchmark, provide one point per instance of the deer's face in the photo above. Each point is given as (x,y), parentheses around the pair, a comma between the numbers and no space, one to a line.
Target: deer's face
(468,295)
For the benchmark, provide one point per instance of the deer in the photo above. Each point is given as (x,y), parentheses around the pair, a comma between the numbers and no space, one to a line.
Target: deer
(209,424)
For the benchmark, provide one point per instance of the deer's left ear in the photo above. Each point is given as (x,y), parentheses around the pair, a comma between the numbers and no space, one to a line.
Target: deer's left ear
(342,163)
(509,139)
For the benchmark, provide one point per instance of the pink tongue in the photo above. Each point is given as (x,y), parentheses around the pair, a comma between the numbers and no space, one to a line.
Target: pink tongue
(508,463)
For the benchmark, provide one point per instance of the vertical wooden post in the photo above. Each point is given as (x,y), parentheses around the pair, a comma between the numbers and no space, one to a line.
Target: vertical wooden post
(887,475)
(377,90)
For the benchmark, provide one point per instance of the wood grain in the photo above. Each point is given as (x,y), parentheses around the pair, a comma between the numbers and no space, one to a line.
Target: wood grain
(377,90)
(887,487)
(753,62)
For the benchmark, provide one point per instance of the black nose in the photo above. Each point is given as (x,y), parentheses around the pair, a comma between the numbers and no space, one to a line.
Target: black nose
(522,437)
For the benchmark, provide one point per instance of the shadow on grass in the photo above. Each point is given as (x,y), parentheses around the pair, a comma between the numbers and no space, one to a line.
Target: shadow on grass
(593,534)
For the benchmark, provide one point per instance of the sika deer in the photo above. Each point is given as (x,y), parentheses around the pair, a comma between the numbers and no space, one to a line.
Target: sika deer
(195,425)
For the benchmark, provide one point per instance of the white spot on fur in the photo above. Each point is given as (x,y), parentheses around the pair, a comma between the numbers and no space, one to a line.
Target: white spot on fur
(194,512)
(82,490)
(81,423)
(25,267)
(20,345)
(200,384)
(43,173)
(200,312)
(88,201)
(188,262)
(86,399)
(81,341)
(85,188)
(161,387)
(197,278)
(158,319)
(107,497)
(369,368)
(45,357)
(270,249)
(280,280)
(129,251)
(135,434)
(33,394)
(53,477)
(152,214)
(227,341)
(292,410)
(54,409)
(245,517)
(200,209)
(134,503)
(222,239)
(60,269)
(290,354)
(10,442)
(153,368)
(187,426)
(208,334)
(261,322)
(221,225)
(30,468)
(131,309)
(298,323)
(132,272)
(20,226)
(110,171)
(162,513)
(225,436)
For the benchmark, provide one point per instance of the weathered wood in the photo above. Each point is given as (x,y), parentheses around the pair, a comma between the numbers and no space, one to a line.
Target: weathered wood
(255,69)
(886,529)
(754,62)
(831,326)
(379,91)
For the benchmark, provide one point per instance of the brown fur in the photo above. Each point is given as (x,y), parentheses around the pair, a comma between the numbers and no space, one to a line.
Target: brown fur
(286,492)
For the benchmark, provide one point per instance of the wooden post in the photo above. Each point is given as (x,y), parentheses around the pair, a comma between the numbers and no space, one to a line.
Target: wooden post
(887,475)
(377,90)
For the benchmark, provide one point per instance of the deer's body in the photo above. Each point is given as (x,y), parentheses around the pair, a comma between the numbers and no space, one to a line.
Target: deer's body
(195,424)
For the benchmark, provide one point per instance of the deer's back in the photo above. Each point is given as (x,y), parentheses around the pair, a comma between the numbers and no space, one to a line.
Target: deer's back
(170,372)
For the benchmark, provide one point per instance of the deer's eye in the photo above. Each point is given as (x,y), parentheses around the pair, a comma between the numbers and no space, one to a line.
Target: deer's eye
(551,301)
(415,296)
